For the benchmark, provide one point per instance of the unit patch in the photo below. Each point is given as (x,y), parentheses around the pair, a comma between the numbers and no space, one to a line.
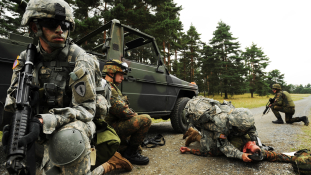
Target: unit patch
(80,88)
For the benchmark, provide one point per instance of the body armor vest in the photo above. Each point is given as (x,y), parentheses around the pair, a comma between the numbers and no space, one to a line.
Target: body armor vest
(53,78)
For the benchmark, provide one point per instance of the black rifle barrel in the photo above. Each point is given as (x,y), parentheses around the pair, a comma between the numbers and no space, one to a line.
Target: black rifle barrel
(19,124)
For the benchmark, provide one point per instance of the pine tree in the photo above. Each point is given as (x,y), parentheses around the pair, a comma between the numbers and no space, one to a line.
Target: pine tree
(231,68)
(256,62)
(210,68)
(88,17)
(10,18)
(166,28)
(275,76)
(193,49)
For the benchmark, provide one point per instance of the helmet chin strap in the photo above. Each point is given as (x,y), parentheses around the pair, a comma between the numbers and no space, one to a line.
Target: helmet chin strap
(113,78)
(53,45)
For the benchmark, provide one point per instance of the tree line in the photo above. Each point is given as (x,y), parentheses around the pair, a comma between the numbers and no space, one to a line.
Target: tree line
(217,67)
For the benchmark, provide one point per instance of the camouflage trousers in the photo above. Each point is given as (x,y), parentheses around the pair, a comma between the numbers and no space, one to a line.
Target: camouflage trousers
(272,156)
(209,145)
(136,128)
(81,165)
(289,112)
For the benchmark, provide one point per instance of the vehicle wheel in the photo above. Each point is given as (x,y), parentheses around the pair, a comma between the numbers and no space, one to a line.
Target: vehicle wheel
(178,121)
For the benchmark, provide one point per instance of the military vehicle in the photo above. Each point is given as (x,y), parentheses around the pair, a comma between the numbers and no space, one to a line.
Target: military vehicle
(150,88)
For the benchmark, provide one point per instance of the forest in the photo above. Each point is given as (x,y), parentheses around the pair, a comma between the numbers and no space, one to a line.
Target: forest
(220,66)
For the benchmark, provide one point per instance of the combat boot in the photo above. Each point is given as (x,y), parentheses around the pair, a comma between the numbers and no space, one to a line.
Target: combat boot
(131,153)
(189,132)
(305,120)
(195,136)
(117,162)
(278,121)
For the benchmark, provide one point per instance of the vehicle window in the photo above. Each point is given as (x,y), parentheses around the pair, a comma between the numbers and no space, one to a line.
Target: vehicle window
(143,54)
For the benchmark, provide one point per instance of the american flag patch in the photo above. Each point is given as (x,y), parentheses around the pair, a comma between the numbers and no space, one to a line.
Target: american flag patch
(222,136)
(16,63)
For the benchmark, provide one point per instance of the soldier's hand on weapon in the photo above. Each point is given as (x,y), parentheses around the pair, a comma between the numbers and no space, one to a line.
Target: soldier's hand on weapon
(5,137)
(246,158)
(184,149)
(34,131)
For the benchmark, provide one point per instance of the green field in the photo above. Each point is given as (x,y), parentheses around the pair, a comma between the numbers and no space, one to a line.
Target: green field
(245,100)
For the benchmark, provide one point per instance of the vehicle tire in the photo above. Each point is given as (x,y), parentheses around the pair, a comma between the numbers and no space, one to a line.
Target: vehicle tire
(178,121)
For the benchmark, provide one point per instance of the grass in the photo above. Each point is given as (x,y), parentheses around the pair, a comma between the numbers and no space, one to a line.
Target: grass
(304,138)
(245,100)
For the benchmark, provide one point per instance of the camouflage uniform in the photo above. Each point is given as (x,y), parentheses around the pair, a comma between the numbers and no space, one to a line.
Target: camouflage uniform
(284,103)
(220,137)
(125,121)
(224,129)
(67,103)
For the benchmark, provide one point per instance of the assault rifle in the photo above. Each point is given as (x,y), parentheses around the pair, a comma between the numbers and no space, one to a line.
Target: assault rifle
(16,155)
(271,101)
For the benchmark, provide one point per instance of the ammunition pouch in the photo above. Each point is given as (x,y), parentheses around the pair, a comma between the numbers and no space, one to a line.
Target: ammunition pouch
(51,92)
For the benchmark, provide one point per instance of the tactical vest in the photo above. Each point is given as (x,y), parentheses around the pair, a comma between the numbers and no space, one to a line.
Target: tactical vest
(53,78)
(287,100)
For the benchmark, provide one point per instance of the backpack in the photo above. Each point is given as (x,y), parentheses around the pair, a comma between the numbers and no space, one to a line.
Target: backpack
(301,161)
(198,109)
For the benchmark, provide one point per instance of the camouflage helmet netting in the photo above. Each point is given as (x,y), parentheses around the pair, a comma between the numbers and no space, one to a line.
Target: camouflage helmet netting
(45,9)
(113,68)
(242,118)
(276,86)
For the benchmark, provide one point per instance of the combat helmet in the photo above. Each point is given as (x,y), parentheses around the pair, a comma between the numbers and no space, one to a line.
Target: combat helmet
(114,66)
(242,118)
(276,86)
(53,9)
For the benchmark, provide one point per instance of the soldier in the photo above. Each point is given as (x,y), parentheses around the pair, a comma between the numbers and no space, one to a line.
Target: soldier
(284,103)
(67,78)
(123,119)
(225,134)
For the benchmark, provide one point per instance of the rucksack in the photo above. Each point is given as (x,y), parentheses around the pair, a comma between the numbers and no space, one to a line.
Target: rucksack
(199,108)
(301,161)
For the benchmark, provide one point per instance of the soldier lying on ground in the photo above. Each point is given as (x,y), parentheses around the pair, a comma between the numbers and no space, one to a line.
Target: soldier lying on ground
(225,130)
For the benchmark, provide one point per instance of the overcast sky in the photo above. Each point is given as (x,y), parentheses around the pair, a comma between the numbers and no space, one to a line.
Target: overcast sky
(281,28)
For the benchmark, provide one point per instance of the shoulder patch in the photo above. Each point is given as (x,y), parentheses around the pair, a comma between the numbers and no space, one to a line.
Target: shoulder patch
(16,63)
(222,136)
(80,88)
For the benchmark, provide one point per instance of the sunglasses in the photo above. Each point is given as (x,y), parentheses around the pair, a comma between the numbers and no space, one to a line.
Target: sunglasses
(52,24)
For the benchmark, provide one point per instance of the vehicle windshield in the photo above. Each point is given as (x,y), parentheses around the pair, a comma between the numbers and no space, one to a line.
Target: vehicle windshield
(139,49)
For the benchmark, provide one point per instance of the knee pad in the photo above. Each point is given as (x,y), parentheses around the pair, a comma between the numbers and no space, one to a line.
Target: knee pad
(66,146)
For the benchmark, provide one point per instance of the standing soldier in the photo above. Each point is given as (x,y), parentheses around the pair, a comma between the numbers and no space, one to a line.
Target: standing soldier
(284,103)
(123,119)
(67,78)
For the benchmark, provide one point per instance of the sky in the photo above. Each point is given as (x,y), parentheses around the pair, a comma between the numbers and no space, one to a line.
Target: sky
(282,28)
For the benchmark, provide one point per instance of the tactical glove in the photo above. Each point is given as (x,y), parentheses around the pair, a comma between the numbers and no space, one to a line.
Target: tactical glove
(35,128)
(5,137)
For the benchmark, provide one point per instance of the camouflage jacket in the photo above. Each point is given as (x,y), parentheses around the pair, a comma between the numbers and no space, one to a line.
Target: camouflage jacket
(82,86)
(283,98)
(216,137)
(119,109)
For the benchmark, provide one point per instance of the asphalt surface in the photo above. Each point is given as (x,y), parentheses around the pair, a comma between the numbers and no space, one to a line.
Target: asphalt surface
(167,159)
